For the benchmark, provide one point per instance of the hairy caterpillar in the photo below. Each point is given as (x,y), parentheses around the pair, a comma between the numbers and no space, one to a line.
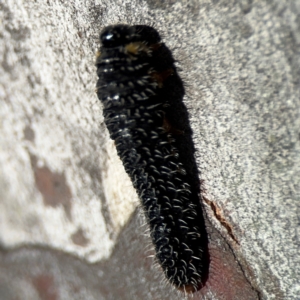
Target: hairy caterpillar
(135,83)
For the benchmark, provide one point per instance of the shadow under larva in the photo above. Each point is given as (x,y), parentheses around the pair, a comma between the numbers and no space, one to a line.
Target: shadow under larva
(142,94)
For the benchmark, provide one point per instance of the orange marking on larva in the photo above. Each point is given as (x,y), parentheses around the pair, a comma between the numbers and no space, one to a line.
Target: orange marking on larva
(155,47)
(160,77)
(136,47)
(218,214)
(169,128)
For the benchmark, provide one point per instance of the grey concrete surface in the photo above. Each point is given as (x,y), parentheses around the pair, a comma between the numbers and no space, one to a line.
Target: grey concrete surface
(66,205)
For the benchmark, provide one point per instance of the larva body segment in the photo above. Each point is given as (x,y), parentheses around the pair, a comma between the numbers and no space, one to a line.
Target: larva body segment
(133,67)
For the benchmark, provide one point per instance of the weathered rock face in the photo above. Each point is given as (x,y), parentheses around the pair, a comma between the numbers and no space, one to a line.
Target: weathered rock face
(65,198)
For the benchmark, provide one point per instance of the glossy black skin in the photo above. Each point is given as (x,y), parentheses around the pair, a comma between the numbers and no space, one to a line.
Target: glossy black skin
(135,105)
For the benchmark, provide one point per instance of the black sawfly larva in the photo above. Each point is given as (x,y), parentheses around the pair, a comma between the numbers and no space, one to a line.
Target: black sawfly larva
(135,72)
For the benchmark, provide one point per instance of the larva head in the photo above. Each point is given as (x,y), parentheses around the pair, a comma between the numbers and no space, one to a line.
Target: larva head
(119,35)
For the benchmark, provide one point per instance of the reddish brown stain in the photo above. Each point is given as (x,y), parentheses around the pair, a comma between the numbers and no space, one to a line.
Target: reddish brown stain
(75,288)
(44,284)
(226,280)
(79,238)
(168,127)
(53,187)
(218,214)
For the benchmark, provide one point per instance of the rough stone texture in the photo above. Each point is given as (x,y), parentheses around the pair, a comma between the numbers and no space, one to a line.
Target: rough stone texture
(65,199)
